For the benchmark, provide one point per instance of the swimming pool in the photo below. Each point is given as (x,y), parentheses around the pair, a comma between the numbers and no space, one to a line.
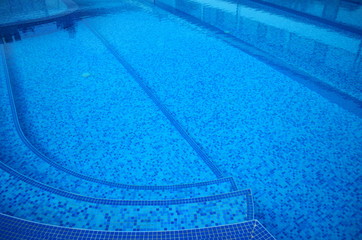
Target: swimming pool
(185,119)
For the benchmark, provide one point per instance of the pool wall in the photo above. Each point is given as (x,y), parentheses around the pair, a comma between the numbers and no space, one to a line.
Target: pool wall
(327,54)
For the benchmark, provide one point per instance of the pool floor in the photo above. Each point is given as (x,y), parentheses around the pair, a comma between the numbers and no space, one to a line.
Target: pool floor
(131,99)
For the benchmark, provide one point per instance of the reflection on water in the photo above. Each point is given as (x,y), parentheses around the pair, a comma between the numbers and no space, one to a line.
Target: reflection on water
(330,55)
(347,12)
(15,11)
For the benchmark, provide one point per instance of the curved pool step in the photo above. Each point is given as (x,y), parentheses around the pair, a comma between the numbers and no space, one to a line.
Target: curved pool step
(16,156)
(23,200)
(31,230)
(71,186)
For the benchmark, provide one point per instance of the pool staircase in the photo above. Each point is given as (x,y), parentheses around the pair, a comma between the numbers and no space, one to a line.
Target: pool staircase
(70,215)
(41,199)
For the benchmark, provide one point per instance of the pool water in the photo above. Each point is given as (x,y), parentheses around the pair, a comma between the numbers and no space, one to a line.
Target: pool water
(158,116)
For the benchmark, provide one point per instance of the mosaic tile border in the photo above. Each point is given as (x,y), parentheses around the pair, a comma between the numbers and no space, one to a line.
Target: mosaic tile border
(15,228)
(136,76)
(246,192)
(52,163)
(72,7)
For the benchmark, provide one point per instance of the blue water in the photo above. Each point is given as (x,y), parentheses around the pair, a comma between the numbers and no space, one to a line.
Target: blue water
(15,12)
(112,122)
(347,12)
(184,92)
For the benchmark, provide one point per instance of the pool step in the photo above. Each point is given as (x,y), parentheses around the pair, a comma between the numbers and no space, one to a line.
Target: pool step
(25,201)
(32,230)
(15,155)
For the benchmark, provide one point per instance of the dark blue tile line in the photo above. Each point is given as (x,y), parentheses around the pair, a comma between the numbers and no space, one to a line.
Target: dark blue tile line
(329,92)
(250,206)
(14,228)
(8,73)
(71,7)
(233,184)
(13,173)
(137,77)
(311,17)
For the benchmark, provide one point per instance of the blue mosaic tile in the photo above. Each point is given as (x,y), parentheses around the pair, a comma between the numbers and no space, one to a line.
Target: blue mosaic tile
(263,127)
(107,201)
(140,142)
(17,156)
(310,46)
(299,151)
(30,230)
(31,202)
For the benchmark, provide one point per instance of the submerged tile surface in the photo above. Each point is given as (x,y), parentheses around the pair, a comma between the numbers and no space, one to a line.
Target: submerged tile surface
(102,118)
(299,152)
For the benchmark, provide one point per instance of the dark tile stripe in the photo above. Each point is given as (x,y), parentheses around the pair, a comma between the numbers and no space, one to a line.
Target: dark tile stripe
(136,76)
(8,73)
(246,193)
